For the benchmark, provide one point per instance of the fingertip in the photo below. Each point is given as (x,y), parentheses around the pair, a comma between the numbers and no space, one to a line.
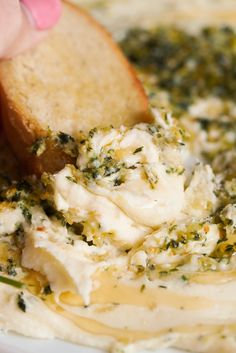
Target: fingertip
(45,13)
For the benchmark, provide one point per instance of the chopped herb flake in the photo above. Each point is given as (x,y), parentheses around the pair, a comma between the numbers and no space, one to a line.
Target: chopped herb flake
(26,213)
(76,228)
(142,288)
(11,282)
(21,302)
(73,180)
(139,149)
(64,138)
(39,146)
(118,182)
(89,242)
(47,290)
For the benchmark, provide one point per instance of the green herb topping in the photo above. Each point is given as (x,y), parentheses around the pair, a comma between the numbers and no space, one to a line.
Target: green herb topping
(21,302)
(11,282)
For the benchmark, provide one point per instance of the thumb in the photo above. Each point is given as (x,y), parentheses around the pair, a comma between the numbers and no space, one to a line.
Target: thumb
(44,12)
(33,18)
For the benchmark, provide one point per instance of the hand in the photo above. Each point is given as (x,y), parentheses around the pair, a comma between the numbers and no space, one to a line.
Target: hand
(24,22)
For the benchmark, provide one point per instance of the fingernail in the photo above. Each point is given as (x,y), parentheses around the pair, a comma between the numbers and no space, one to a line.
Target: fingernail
(45,13)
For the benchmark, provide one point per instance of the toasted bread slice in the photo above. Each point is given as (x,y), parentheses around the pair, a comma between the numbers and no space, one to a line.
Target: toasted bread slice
(74,80)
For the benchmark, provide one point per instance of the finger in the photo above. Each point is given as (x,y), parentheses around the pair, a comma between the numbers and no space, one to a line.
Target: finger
(36,16)
(10,23)
(44,12)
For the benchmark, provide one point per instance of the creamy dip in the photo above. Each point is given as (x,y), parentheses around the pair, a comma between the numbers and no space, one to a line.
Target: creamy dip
(132,248)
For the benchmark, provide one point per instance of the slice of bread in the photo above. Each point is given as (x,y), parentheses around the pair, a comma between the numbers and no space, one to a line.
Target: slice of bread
(76,79)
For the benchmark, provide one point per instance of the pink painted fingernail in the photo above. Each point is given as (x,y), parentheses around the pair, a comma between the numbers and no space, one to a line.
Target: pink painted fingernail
(45,13)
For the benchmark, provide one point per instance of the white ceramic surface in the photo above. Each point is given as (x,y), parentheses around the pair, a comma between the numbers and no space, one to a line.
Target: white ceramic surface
(10,343)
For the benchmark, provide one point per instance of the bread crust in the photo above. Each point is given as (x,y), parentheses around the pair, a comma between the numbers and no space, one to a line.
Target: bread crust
(22,128)
(21,138)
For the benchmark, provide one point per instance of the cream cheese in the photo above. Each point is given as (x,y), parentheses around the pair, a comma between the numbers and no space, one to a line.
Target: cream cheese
(152,173)
(123,250)
(85,205)
(10,218)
